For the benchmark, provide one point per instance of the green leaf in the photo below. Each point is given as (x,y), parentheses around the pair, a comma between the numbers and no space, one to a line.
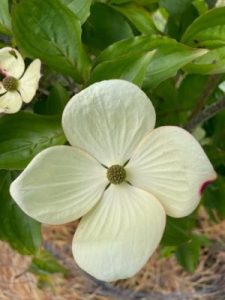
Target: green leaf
(55,103)
(43,263)
(167,61)
(138,16)
(145,2)
(81,8)
(178,231)
(214,199)
(213,62)
(187,96)
(208,30)
(175,7)
(216,148)
(215,154)
(134,60)
(166,103)
(24,135)
(132,67)
(201,6)
(186,19)
(167,251)
(219,132)
(104,27)
(135,45)
(19,230)
(160,19)
(117,1)
(5,18)
(172,28)
(51,31)
(188,254)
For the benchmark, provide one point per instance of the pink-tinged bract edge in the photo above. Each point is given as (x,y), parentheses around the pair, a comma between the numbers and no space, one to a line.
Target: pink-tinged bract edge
(3,72)
(205,184)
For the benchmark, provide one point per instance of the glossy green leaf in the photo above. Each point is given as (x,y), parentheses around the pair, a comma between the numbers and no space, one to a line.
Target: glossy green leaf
(167,61)
(51,31)
(24,135)
(138,16)
(19,230)
(120,60)
(201,6)
(5,18)
(135,45)
(132,68)
(212,62)
(175,7)
(160,19)
(178,231)
(81,8)
(55,103)
(104,27)
(208,30)
(188,254)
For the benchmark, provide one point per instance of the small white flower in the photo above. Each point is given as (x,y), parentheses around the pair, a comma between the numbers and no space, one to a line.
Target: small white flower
(16,86)
(120,175)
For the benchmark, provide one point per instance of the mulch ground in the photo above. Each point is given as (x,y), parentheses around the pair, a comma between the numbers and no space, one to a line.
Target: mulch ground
(160,279)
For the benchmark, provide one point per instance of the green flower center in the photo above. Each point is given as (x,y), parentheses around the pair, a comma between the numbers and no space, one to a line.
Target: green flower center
(116,174)
(10,83)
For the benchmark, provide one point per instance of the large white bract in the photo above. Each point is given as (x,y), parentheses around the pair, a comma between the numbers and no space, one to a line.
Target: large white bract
(16,86)
(112,123)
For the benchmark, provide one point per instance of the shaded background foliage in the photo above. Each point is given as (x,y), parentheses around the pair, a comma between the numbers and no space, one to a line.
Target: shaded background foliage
(174,50)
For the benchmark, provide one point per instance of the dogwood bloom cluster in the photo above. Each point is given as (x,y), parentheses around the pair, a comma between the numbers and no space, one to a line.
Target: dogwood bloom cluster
(121,177)
(16,86)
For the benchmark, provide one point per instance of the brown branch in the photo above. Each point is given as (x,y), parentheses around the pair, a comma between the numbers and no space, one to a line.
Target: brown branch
(210,86)
(205,114)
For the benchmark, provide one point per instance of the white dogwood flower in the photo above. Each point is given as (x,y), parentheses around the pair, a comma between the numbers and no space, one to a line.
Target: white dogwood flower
(16,86)
(121,176)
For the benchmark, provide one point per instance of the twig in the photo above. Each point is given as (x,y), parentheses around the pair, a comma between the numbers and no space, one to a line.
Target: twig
(205,114)
(210,86)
